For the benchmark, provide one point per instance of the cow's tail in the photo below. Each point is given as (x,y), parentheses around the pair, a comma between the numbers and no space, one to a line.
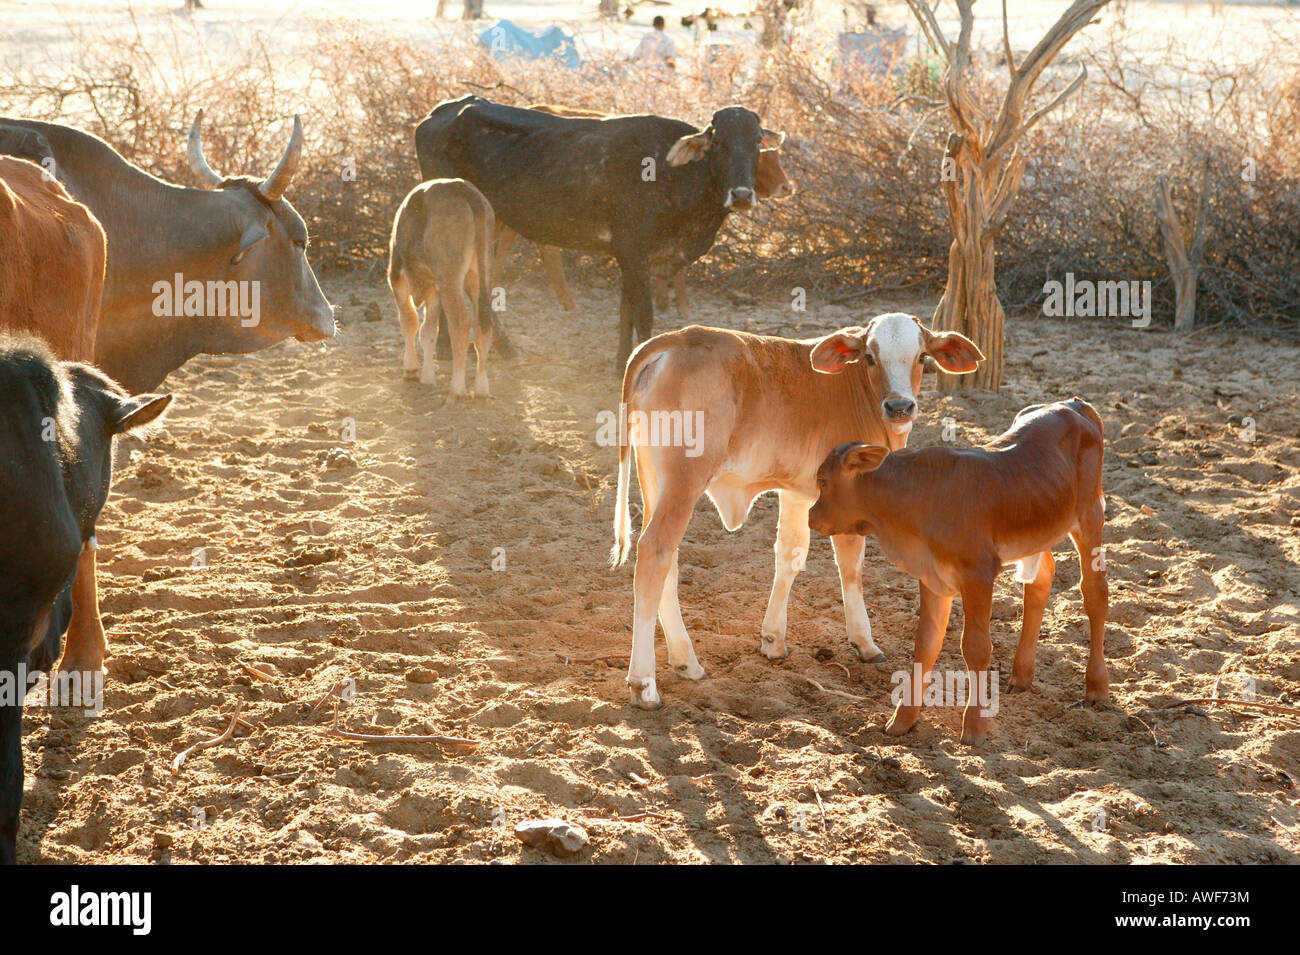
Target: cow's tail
(622,508)
(484,227)
(1089,412)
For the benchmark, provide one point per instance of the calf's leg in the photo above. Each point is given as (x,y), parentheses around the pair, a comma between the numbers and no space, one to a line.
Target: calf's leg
(428,336)
(792,536)
(1036,595)
(931,625)
(1096,601)
(849,550)
(977,651)
(681,652)
(85,647)
(655,553)
(458,324)
(409,317)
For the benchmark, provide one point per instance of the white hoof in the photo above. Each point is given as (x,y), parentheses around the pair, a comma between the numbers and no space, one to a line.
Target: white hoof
(691,671)
(644,694)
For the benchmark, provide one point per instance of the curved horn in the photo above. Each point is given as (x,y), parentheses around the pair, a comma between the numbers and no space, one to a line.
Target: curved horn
(274,185)
(194,150)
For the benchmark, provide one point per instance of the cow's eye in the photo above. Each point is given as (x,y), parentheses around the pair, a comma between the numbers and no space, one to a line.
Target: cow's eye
(300,243)
(868,359)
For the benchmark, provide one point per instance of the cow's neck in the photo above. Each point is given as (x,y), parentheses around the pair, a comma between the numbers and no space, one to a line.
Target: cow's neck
(139,354)
(155,227)
(860,402)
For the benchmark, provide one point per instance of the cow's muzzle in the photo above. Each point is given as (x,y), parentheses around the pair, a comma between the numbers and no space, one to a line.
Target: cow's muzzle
(740,198)
(321,327)
(899,413)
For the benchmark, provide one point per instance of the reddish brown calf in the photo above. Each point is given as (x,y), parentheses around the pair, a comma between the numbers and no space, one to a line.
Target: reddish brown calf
(953,517)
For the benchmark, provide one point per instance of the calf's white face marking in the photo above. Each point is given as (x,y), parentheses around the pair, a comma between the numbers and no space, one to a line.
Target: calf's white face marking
(896,343)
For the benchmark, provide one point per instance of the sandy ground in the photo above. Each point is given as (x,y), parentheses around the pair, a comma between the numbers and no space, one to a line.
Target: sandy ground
(372,559)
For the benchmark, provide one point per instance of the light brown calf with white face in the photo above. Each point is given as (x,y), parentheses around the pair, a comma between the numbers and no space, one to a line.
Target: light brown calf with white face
(440,251)
(953,517)
(768,410)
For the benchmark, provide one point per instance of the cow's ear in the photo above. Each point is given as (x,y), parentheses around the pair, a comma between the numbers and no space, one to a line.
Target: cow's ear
(253,234)
(772,140)
(138,412)
(690,148)
(955,353)
(836,352)
(864,458)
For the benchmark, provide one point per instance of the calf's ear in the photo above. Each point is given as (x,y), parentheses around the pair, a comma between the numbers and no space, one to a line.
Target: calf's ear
(863,458)
(772,140)
(690,148)
(138,412)
(955,353)
(836,352)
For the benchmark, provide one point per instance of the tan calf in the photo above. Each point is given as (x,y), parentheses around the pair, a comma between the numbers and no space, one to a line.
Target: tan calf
(762,413)
(440,252)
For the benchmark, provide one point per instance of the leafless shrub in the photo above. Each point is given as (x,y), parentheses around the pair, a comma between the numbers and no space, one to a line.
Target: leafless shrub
(864,149)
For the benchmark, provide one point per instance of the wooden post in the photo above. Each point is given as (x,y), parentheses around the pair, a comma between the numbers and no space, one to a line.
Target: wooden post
(981,173)
(1184,264)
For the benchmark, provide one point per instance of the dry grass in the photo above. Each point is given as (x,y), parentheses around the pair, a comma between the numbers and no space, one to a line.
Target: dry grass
(864,150)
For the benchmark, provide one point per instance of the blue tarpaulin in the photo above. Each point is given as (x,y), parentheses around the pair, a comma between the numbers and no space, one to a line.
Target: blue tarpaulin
(880,51)
(505,39)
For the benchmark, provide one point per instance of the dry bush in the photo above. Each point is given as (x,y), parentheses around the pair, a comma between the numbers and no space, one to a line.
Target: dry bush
(865,151)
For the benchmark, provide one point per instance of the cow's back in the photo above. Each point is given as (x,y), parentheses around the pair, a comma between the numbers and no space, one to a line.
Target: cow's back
(768,412)
(52,255)
(571,181)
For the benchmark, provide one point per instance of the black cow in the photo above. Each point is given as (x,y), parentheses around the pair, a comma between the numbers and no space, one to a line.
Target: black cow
(56,460)
(652,192)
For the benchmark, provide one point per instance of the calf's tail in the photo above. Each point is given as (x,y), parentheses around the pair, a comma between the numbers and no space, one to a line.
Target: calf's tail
(484,227)
(622,510)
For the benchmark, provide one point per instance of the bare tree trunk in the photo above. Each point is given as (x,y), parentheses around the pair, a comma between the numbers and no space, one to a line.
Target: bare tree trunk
(1184,265)
(981,174)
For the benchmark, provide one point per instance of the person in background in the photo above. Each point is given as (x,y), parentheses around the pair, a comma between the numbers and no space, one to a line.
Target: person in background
(656,51)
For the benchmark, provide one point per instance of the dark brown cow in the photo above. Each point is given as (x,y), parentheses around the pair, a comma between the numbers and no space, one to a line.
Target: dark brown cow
(952,517)
(770,182)
(650,191)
